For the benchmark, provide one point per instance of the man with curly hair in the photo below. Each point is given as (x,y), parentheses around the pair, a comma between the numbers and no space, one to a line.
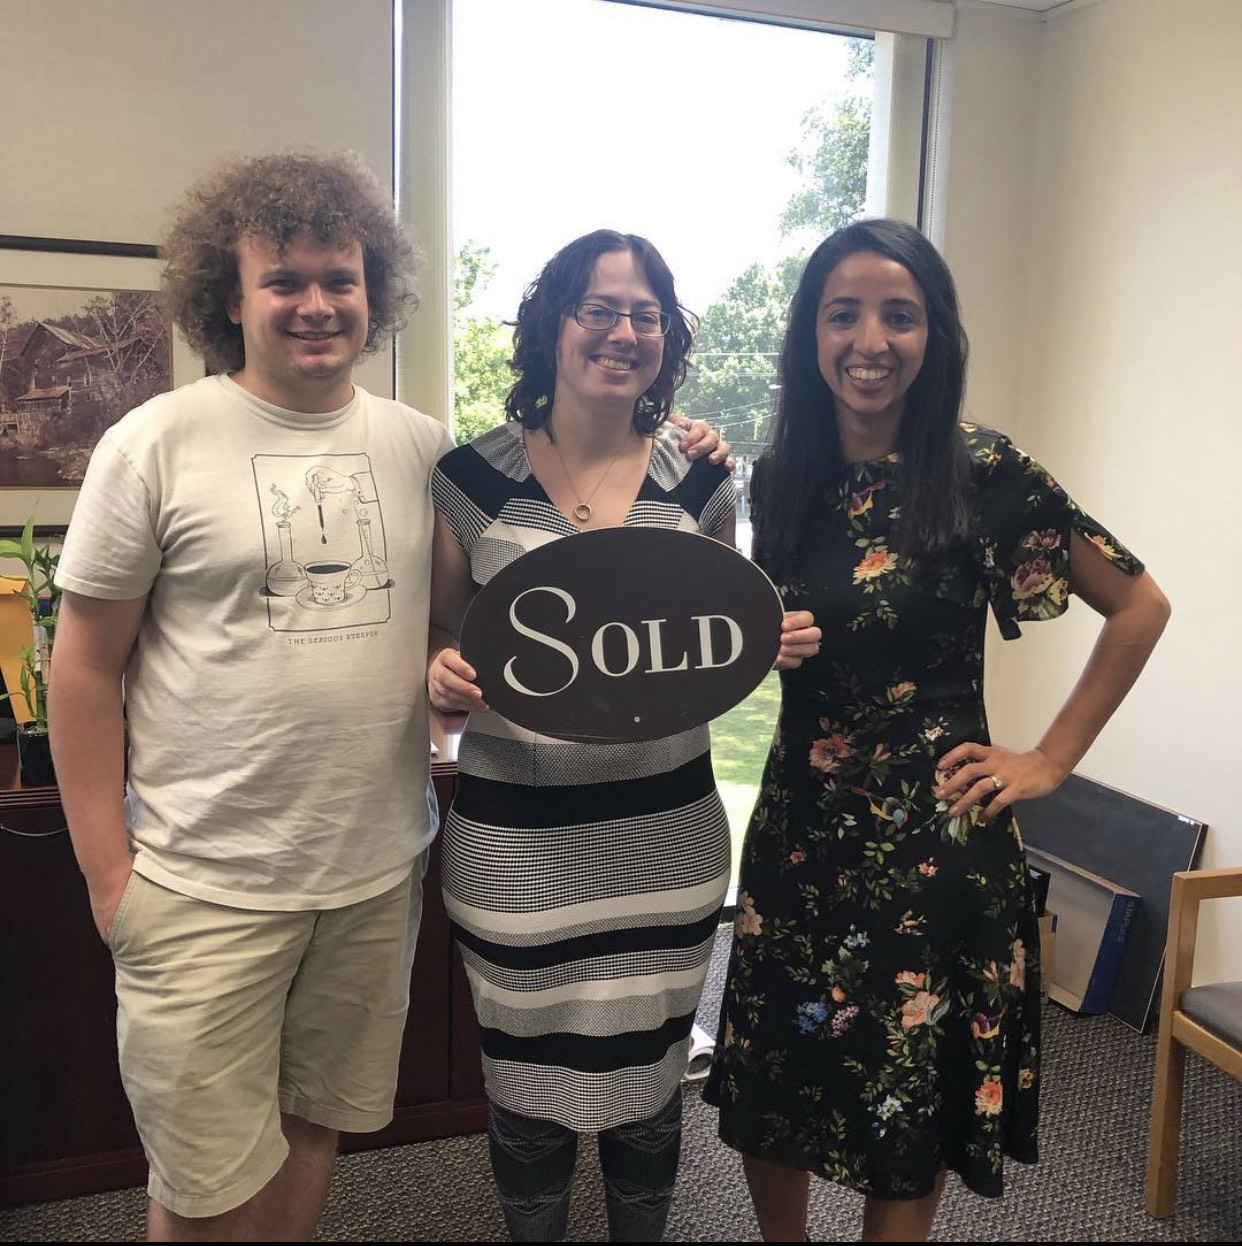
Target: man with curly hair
(247,573)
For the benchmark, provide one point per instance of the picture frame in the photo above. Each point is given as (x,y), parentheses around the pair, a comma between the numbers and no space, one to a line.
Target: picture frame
(53,280)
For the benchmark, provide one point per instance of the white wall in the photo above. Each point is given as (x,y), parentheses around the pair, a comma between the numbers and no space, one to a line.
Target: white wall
(113,107)
(1098,245)
(992,69)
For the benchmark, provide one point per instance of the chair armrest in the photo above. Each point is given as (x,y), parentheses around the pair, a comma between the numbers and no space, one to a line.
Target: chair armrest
(1197,885)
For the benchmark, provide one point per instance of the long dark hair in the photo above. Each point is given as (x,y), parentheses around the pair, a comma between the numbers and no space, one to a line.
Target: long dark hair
(804,465)
(554,294)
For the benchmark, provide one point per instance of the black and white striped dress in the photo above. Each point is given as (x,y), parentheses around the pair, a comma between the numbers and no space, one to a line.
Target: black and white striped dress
(583,881)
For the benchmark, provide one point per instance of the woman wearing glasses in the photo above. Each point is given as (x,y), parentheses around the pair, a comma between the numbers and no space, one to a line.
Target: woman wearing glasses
(583,881)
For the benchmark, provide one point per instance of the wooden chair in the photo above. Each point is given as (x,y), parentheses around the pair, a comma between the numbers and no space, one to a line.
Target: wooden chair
(1207,1019)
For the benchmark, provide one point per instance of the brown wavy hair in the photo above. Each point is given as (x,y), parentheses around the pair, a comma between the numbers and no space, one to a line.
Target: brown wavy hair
(553,295)
(332,196)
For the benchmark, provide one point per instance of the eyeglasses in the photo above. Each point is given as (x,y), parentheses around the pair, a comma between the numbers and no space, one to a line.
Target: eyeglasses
(600,318)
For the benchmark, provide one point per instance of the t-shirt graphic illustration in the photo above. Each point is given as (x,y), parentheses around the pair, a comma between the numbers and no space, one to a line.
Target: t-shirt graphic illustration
(323,539)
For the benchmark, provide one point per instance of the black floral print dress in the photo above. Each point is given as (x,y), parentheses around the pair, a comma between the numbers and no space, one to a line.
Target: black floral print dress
(881,1015)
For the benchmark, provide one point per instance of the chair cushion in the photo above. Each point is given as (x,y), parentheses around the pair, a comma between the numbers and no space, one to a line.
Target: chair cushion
(1217,1007)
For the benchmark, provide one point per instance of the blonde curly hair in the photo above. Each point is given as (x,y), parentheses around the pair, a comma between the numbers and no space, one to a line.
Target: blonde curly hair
(332,196)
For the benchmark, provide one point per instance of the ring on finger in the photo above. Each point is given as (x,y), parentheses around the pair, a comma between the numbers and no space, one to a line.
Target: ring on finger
(996,782)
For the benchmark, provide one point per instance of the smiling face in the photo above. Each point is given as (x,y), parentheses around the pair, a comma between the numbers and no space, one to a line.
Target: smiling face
(303,316)
(611,367)
(871,336)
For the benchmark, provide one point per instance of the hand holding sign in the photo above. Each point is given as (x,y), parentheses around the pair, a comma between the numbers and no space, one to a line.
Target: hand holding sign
(623,634)
(800,639)
(451,687)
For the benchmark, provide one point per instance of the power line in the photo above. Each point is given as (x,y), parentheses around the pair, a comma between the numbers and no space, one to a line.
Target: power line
(750,406)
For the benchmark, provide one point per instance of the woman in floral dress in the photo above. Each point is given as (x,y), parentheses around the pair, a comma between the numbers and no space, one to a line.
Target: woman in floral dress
(881,1017)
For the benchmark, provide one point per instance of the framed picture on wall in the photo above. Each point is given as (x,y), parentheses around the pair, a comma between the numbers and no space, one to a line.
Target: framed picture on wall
(83,339)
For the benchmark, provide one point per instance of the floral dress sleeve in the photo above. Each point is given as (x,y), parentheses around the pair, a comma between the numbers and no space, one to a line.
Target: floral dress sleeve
(1024,522)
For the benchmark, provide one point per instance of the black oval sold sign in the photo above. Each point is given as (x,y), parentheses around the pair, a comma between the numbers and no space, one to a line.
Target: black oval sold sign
(622,634)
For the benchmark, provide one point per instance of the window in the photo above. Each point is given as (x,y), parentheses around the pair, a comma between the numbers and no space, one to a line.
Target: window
(735,147)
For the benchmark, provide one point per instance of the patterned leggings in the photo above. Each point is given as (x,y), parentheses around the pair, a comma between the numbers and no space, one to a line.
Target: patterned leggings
(533,1163)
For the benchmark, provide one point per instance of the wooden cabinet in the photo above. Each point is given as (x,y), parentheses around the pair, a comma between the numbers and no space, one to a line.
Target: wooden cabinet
(65,1125)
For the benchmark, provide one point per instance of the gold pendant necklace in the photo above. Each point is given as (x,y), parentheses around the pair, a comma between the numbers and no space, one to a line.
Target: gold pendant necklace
(582,512)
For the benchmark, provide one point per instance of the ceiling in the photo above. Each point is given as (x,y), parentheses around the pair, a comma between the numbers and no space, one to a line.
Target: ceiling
(1036,6)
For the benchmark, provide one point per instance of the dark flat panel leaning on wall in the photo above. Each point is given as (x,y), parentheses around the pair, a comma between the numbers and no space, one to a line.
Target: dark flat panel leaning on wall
(1131,842)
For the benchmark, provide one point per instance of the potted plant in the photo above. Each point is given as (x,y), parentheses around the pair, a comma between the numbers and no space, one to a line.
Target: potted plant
(42,598)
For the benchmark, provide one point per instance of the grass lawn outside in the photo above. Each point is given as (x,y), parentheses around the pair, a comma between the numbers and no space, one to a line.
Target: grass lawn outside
(740,741)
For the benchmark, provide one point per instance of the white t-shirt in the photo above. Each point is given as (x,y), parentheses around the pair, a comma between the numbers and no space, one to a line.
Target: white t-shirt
(279,754)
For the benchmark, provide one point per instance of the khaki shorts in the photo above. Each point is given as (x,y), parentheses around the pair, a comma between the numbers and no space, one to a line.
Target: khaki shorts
(228,1017)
